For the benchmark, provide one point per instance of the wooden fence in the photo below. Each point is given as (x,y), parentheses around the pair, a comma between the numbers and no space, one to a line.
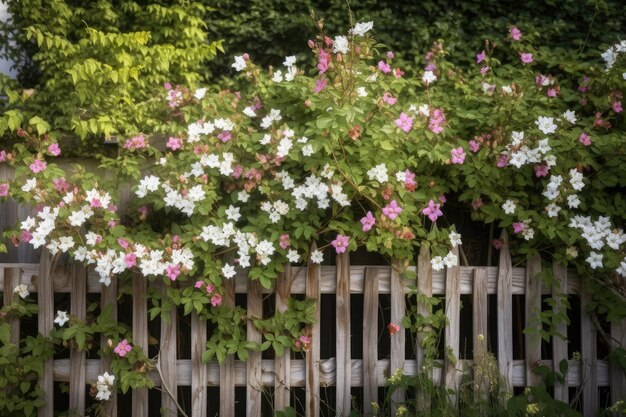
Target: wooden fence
(342,371)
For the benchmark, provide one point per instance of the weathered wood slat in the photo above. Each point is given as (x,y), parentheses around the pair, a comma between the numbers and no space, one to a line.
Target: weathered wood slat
(618,378)
(44,323)
(559,345)
(199,370)
(505,313)
(425,289)
(312,392)
(453,327)
(167,360)
(254,387)
(282,383)
(227,374)
(398,311)
(370,341)
(479,320)
(78,309)
(589,357)
(532,341)
(343,335)
(11,277)
(140,337)
(108,299)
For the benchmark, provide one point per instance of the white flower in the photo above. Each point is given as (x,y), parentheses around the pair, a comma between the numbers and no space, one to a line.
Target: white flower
(307,150)
(455,239)
(553,210)
(424,110)
(317,257)
(232,213)
(293,256)
(570,116)
(273,116)
(509,207)
(103,385)
(451,260)
(243,196)
(528,233)
(21,290)
(361,92)
(572,252)
(148,183)
(573,201)
(517,138)
(595,260)
(622,266)
(240,63)
(228,271)
(506,89)
(361,28)
(340,45)
(378,173)
(278,76)
(576,179)
(437,263)
(29,185)
(249,111)
(199,94)
(429,77)
(290,61)
(615,239)
(61,318)
(546,124)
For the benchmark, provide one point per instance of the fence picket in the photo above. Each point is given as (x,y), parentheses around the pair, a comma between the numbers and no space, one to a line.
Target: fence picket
(227,368)
(78,309)
(532,320)
(167,361)
(45,322)
(425,289)
(343,362)
(313,291)
(282,381)
(254,386)
(505,313)
(199,370)
(453,328)
(479,320)
(588,356)
(559,345)
(140,337)
(370,340)
(108,298)
(11,278)
(398,308)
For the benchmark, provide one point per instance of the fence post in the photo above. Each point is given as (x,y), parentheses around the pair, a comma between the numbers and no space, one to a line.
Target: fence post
(108,297)
(370,340)
(425,290)
(505,314)
(532,320)
(199,370)
(78,286)
(45,322)
(559,345)
(167,360)
(282,381)
(11,277)
(140,337)
(588,368)
(254,385)
(312,393)
(453,327)
(479,319)
(343,362)
(227,368)
(398,308)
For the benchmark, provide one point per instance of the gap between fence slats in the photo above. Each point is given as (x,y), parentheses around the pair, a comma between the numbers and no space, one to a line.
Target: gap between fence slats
(588,356)
(343,335)
(199,370)
(505,314)
(140,337)
(559,345)
(312,392)
(398,311)
(532,311)
(227,371)
(254,386)
(425,290)
(479,331)
(167,359)
(370,340)
(108,298)
(78,308)
(45,322)
(282,382)
(453,327)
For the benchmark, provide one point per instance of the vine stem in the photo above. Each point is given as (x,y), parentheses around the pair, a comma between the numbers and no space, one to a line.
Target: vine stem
(167,389)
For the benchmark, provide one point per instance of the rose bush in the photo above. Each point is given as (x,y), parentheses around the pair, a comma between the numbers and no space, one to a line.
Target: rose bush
(349,154)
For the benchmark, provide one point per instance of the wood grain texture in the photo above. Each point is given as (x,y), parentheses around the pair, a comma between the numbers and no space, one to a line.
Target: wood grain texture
(199,370)
(254,386)
(479,320)
(108,299)
(282,382)
(227,372)
(312,371)
(78,309)
(425,289)
(505,313)
(370,341)
(344,368)
(398,311)
(618,378)
(140,337)
(11,277)
(532,341)
(589,357)
(453,327)
(559,345)
(167,360)
(45,321)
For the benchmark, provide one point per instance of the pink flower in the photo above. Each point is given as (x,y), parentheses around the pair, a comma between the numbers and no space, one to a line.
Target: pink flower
(368,221)
(38,166)
(4,189)
(320,84)
(303,342)
(167,86)
(216,300)
(138,142)
(437,120)
(198,284)
(518,227)
(340,243)
(111,223)
(54,149)
(497,243)
(323,61)
(474,146)
(481,57)
(390,55)
(541,170)
(210,288)
(515,33)
(389,99)
(458,156)
(3,156)
(60,185)
(484,70)
(409,181)
(477,203)
(404,122)
(130,259)
(174,143)
(504,159)
(26,236)
(392,210)
(95,202)
(384,67)
(442,199)
(123,348)
(526,57)
(284,242)
(143,210)
(224,136)
(172,271)
(617,106)
(585,139)
(393,328)
(398,73)
(123,242)
(432,211)
(551,92)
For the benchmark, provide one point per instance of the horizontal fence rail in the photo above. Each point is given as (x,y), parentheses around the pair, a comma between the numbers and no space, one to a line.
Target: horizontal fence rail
(342,371)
